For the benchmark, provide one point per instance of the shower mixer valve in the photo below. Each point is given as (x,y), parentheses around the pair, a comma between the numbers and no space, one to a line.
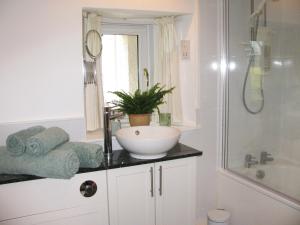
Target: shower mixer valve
(250,161)
(265,157)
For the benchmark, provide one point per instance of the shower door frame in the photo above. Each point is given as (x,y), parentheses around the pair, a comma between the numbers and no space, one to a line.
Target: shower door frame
(224,73)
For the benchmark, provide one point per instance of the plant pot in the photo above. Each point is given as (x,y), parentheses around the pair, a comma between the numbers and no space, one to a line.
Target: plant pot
(139,119)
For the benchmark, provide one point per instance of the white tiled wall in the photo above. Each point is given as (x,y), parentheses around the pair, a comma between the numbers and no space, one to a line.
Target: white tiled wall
(290,121)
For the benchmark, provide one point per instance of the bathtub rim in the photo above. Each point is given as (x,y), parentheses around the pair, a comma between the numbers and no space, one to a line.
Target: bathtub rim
(258,187)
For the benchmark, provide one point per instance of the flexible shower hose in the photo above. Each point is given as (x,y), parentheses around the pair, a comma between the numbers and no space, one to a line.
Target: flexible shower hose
(251,60)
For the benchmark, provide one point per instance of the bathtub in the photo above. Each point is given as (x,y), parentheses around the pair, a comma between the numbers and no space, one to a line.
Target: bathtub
(280,176)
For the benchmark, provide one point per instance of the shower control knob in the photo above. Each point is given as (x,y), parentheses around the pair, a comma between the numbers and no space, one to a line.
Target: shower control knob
(88,188)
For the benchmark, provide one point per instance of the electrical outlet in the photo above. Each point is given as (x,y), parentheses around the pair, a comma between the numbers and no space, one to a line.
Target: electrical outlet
(185,49)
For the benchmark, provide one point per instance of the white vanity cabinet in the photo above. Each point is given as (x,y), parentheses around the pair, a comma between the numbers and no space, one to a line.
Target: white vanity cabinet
(54,202)
(161,193)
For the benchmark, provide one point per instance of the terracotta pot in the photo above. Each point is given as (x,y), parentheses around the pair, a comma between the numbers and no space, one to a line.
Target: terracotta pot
(139,119)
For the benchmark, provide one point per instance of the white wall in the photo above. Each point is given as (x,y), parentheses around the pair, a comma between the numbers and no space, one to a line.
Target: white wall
(288,54)
(205,138)
(41,60)
(187,29)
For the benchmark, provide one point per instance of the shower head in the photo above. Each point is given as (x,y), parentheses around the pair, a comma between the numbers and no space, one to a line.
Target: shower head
(259,9)
(254,17)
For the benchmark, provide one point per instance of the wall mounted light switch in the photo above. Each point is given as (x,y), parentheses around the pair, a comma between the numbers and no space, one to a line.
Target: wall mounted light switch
(185,49)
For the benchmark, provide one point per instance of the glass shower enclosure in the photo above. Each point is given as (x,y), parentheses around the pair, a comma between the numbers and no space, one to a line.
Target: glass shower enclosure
(263,93)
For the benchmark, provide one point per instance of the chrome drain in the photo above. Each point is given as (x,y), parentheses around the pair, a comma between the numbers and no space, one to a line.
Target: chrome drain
(260,174)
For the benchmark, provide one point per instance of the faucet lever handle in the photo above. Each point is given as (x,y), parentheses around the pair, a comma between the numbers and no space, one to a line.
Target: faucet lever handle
(250,160)
(250,157)
(266,153)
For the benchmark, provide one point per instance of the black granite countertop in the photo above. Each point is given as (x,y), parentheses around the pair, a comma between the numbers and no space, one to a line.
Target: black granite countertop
(120,158)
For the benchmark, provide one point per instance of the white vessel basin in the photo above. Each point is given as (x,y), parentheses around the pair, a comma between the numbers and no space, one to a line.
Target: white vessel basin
(148,142)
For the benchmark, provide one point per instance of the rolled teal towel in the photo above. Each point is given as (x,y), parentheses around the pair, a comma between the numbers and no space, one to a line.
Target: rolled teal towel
(61,164)
(43,142)
(90,155)
(16,142)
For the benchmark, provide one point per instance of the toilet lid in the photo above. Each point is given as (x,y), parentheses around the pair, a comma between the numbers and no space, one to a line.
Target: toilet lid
(218,215)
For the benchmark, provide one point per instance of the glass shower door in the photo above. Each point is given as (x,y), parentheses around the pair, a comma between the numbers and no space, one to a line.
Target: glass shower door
(263,127)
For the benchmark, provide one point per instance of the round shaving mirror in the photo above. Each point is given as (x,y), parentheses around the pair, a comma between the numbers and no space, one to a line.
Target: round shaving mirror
(93,44)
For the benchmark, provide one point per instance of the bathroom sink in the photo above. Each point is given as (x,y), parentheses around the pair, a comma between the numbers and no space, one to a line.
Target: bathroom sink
(148,142)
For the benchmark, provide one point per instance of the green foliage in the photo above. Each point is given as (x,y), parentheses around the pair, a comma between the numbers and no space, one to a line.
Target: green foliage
(141,102)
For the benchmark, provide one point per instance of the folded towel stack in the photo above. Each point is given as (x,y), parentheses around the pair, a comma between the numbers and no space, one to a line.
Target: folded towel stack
(56,164)
(47,153)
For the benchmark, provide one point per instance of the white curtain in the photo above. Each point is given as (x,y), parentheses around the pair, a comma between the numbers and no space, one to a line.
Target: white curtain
(119,64)
(93,90)
(167,66)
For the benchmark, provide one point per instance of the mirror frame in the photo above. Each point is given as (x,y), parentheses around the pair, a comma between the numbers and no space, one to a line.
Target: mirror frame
(87,47)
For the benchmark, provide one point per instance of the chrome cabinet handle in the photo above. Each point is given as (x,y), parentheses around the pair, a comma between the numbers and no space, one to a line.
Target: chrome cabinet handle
(88,188)
(160,180)
(151,179)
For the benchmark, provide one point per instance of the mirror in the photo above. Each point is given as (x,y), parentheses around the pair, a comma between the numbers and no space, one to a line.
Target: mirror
(119,64)
(93,44)
(115,59)
(127,50)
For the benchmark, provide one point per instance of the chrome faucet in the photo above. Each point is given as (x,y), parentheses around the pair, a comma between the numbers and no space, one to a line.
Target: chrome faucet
(250,160)
(265,157)
(109,114)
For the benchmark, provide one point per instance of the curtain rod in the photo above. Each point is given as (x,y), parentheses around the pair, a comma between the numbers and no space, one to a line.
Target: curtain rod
(131,21)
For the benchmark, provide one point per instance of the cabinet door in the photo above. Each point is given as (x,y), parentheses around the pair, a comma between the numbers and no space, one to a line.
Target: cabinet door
(176,192)
(131,197)
(54,202)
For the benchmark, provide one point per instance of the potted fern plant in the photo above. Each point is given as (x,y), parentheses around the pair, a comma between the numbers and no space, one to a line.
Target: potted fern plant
(140,105)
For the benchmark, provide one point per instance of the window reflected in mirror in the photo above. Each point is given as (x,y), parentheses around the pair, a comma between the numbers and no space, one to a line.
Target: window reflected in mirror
(119,64)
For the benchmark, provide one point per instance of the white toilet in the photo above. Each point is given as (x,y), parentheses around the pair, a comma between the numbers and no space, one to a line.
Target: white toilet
(218,217)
